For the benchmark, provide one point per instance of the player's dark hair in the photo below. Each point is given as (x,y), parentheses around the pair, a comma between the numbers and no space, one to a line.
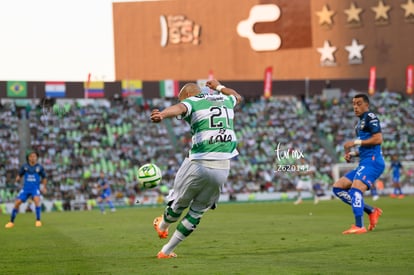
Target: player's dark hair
(29,153)
(363,96)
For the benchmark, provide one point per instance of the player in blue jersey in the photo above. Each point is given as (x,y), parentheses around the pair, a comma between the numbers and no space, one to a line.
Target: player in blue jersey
(105,193)
(351,187)
(34,181)
(396,168)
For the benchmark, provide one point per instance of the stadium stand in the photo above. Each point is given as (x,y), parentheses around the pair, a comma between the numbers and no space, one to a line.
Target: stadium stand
(116,137)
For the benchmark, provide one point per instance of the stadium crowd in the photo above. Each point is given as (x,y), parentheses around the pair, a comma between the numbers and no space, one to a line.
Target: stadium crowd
(77,141)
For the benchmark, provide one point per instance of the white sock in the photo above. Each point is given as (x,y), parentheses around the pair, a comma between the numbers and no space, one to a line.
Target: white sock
(176,238)
(163,225)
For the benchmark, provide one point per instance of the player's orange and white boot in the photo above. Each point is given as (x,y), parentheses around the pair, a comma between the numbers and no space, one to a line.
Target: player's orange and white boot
(355,230)
(156,223)
(373,218)
(162,255)
(9,225)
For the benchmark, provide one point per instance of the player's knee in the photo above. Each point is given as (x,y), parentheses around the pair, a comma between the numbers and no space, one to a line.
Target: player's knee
(343,183)
(360,185)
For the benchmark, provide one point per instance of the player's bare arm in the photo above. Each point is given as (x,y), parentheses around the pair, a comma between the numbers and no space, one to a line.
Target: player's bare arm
(172,111)
(44,183)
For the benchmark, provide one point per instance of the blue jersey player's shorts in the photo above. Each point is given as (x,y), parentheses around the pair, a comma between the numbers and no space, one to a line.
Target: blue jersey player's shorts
(26,193)
(396,179)
(105,194)
(368,171)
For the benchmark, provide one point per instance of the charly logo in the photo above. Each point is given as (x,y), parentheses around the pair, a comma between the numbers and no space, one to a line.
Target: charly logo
(272,27)
(265,41)
(290,160)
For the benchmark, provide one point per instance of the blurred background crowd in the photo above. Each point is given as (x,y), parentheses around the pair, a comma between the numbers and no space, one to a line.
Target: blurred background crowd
(77,141)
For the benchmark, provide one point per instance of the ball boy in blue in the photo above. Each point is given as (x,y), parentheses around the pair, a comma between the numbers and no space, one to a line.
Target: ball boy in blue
(105,195)
(396,168)
(34,181)
(351,187)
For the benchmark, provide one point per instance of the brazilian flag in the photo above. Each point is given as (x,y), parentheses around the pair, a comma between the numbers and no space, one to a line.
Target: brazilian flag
(16,89)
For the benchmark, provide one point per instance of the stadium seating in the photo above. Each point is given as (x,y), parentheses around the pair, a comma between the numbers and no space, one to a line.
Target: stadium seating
(117,137)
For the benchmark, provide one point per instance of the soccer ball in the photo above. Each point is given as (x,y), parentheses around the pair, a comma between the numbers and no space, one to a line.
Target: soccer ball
(149,175)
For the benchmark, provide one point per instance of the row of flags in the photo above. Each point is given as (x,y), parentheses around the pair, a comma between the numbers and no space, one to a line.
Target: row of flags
(168,87)
(93,89)
(409,75)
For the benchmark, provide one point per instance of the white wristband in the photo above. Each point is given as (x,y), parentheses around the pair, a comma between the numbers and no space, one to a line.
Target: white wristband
(357,142)
(220,87)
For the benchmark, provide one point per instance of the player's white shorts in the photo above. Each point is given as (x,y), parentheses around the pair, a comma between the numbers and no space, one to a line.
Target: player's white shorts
(304,185)
(197,185)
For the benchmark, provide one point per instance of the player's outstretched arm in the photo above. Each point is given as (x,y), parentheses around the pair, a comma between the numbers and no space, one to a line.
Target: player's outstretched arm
(376,139)
(215,85)
(172,111)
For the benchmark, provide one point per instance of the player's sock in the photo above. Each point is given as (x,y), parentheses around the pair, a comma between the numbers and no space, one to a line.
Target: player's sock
(368,208)
(111,205)
(170,216)
(13,214)
(357,206)
(395,192)
(163,225)
(102,207)
(175,240)
(342,194)
(38,210)
(346,198)
(189,223)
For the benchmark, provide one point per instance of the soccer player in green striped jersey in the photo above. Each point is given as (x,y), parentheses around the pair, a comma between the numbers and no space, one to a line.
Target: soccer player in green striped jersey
(198,181)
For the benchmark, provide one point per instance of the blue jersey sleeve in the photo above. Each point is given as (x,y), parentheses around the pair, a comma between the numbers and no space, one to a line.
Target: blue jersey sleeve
(42,172)
(22,171)
(373,123)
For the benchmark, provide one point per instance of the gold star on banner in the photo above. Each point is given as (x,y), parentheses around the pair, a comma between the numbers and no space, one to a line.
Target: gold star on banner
(409,8)
(325,15)
(353,13)
(381,11)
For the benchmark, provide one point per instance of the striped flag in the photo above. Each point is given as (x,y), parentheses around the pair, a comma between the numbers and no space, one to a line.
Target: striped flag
(169,88)
(210,75)
(409,80)
(16,88)
(55,89)
(372,79)
(94,89)
(131,88)
(267,90)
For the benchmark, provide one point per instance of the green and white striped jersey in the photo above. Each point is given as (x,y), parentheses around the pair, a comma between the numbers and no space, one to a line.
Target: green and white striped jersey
(212,127)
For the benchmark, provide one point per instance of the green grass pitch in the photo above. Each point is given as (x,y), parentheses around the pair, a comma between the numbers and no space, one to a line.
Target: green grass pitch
(236,238)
